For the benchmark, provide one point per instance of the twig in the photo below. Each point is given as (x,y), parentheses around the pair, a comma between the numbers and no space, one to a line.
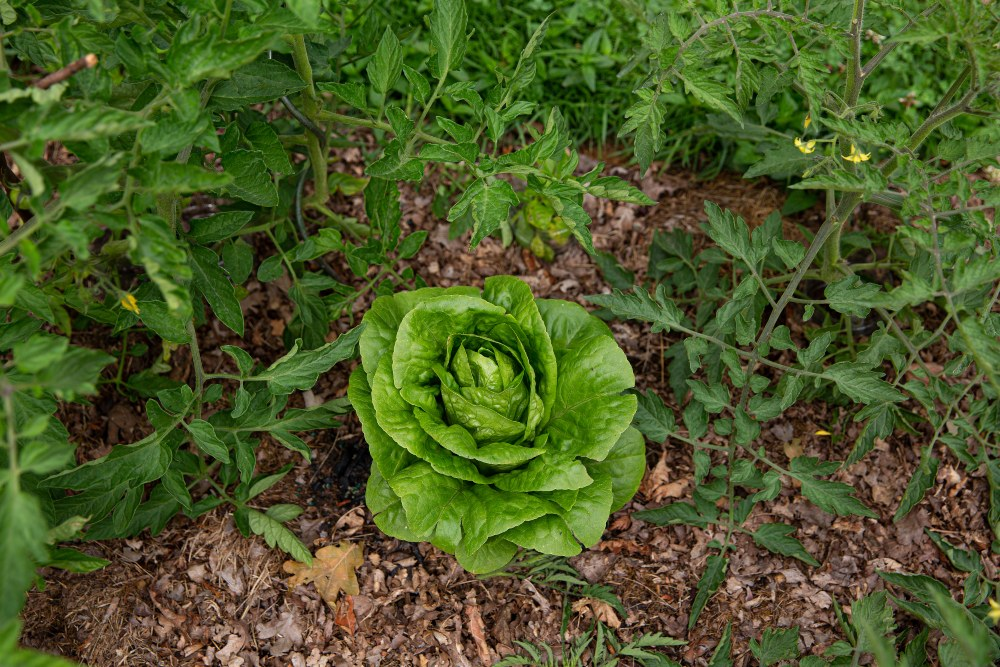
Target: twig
(66,72)
(855,75)
(301,223)
(304,120)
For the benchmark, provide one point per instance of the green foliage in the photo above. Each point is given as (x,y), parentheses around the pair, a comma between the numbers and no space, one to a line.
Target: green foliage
(168,138)
(600,643)
(599,647)
(495,421)
(871,633)
(735,82)
(153,186)
(757,322)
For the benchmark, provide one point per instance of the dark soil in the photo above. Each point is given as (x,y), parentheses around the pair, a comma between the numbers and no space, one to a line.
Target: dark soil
(200,594)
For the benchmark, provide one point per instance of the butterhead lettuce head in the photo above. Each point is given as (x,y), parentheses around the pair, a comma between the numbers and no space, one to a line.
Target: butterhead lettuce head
(495,421)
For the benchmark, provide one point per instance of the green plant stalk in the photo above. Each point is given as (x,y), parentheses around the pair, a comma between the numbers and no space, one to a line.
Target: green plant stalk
(855,80)
(855,75)
(890,45)
(354,121)
(984,364)
(199,369)
(914,350)
(121,359)
(227,12)
(939,116)
(284,257)
(916,358)
(310,107)
(13,472)
(54,209)
(22,232)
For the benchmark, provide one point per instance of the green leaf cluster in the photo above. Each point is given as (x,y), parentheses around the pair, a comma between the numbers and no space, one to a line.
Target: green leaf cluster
(495,421)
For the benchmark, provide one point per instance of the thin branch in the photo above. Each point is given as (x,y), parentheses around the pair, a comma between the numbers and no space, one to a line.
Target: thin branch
(66,72)
(757,13)
(354,121)
(855,77)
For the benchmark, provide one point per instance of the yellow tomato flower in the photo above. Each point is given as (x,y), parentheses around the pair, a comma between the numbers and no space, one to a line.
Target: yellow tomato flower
(805,146)
(129,303)
(994,613)
(855,156)
(805,123)
(822,432)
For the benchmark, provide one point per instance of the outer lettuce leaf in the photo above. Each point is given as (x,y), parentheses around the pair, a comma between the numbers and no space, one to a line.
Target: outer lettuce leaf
(387,312)
(568,322)
(590,411)
(625,464)
(548,534)
(496,553)
(548,472)
(589,515)
(426,495)
(492,512)
(387,508)
(386,454)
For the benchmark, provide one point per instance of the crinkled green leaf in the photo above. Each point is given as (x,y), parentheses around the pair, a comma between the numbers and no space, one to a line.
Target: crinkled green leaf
(548,534)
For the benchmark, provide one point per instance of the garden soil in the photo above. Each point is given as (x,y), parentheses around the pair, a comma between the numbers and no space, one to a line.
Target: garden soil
(201,594)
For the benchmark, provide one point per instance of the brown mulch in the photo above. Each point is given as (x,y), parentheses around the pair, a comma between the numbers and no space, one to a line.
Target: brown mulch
(201,594)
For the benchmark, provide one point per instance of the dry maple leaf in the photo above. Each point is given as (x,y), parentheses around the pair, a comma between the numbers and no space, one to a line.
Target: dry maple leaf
(333,570)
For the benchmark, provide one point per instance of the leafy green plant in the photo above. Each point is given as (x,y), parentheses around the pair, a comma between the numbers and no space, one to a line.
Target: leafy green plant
(587,43)
(162,160)
(736,82)
(600,643)
(743,354)
(551,212)
(495,421)
(600,647)
(870,632)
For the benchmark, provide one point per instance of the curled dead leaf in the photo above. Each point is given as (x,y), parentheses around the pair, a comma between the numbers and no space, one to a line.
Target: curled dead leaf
(333,570)
(656,487)
(794,448)
(478,631)
(600,610)
(344,616)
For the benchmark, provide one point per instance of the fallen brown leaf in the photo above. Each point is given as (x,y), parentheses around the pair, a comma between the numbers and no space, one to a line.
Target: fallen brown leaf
(656,487)
(600,610)
(333,570)
(344,616)
(478,631)
(794,448)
